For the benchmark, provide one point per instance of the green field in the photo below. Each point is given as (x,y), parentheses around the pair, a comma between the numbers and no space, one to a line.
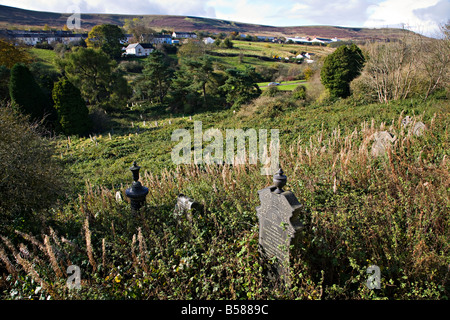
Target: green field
(44,59)
(249,50)
(284,85)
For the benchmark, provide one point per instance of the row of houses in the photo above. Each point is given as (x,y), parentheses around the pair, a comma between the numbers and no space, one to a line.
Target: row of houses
(309,40)
(32,38)
(299,40)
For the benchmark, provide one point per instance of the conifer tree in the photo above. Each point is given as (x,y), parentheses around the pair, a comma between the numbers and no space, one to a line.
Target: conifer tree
(26,94)
(73,115)
(340,68)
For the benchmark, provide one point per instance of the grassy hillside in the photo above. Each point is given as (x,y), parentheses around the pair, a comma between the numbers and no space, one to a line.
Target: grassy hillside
(358,210)
(11,17)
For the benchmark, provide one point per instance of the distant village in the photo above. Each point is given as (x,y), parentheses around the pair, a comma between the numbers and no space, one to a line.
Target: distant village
(33,38)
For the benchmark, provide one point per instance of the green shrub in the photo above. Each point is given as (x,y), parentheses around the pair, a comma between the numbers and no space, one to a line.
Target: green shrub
(26,93)
(340,68)
(73,115)
(271,91)
(31,179)
(299,92)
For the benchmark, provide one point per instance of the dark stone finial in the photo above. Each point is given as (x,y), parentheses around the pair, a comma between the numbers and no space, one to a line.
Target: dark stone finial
(135,170)
(137,192)
(279,180)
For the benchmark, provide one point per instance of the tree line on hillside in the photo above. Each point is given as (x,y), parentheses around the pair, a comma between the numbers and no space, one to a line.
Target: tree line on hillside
(193,84)
(89,75)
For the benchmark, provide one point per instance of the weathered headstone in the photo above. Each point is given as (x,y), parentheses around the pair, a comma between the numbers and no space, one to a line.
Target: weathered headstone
(186,206)
(383,140)
(418,129)
(279,224)
(119,197)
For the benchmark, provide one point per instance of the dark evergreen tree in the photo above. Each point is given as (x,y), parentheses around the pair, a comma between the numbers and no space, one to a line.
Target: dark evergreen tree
(73,115)
(241,86)
(340,68)
(27,95)
(155,80)
(194,84)
(97,76)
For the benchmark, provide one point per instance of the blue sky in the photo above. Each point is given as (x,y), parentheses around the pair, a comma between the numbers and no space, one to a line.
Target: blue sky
(418,15)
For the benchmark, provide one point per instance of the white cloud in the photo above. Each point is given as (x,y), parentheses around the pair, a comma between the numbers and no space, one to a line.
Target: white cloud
(420,16)
(337,12)
(247,11)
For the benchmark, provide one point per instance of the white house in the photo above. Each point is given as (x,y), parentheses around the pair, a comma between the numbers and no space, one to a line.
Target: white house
(139,49)
(208,40)
(184,35)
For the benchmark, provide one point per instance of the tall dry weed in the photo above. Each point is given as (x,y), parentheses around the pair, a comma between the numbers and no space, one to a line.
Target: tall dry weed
(89,249)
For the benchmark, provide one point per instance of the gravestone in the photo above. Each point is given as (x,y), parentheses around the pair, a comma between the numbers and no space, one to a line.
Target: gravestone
(383,140)
(119,197)
(418,129)
(279,224)
(186,206)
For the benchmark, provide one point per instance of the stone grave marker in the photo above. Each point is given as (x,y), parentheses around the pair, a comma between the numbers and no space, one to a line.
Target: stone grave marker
(382,141)
(186,206)
(119,197)
(419,128)
(279,224)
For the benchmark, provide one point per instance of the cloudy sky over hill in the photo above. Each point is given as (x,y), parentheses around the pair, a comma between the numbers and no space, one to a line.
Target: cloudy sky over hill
(418,15)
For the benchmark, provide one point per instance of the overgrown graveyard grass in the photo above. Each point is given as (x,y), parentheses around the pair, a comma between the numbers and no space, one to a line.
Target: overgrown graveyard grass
(358,211)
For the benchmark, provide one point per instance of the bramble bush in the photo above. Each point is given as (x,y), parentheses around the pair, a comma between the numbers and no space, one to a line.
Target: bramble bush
(31,178)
